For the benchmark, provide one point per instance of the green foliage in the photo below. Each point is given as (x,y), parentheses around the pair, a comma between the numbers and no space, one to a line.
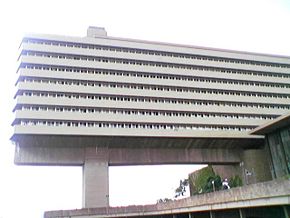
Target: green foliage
(181,189)
(235,181)
(165,200)
(287,176)
(205,180)
(199,180)
(214,183)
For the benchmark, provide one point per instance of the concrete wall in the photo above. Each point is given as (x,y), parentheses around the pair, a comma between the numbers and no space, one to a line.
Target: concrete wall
(255,166)
(227,171)
(267,194)
(278,143)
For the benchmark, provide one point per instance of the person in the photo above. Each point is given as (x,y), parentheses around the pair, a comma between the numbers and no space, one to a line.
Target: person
(225,184)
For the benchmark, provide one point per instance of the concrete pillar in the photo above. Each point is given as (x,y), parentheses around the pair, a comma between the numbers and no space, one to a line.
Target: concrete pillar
(96,178)
(255,166)
(211,214)
(286,211)
(242,213)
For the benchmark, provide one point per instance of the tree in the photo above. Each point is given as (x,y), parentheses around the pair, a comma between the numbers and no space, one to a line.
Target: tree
(213,183)
(235,181)
(165,200)
(180,191)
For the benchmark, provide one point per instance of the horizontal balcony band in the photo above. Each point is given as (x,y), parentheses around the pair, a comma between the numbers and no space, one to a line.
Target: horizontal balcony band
(81,71)
(52,101)
(106,117)
(128,132)
(209,95)
(148,58)
(143,82)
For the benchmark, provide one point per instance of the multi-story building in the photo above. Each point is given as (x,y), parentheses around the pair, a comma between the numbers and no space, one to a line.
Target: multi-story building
(99,91)
(100,85)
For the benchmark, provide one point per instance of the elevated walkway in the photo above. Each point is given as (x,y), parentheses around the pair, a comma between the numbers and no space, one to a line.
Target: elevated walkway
(266,194)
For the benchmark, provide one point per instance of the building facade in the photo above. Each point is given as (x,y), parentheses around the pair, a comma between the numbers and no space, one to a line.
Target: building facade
(91,101)
(100,85)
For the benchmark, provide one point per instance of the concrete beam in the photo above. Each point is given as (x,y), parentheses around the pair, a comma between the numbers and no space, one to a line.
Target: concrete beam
(128,156)
(96,160)
(51,155)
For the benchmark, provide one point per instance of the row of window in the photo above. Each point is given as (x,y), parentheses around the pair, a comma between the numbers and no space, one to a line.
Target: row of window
(155,100)
(145,113)
(135,62)
(156,53)
(156,76)
(153,87)
(133,125)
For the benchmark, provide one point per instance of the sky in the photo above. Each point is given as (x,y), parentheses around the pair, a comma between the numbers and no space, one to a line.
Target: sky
(248,25)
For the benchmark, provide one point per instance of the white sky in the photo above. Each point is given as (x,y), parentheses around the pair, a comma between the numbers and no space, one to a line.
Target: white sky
(249,25)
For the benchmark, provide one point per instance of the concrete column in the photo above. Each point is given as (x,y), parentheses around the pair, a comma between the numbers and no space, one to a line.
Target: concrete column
(211,214)
(242,213)
(286,211)
(96,178)
(255,166)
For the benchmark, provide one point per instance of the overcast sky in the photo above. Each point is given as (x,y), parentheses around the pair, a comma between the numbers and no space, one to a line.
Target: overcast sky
(248,25)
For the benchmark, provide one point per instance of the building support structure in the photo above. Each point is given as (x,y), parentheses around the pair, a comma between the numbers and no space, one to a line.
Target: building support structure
(96,159)
(96,178)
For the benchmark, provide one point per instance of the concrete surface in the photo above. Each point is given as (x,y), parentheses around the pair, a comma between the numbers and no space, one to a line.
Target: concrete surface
(276,192)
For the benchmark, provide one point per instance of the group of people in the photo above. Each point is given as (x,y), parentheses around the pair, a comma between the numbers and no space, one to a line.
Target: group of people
(225,184)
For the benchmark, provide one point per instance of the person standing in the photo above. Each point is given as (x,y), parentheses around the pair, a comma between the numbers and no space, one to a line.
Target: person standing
(225,184)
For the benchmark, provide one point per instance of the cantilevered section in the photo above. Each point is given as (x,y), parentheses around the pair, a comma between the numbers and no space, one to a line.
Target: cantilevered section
(271,126)
(101,86)
(180,142)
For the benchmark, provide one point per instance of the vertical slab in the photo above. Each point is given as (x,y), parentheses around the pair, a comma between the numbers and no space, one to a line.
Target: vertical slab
(211,214)
(286,210)
(242,213)
(96,178)
(255,166)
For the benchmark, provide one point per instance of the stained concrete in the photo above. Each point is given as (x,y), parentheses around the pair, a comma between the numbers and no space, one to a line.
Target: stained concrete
(96,178)
(45,155)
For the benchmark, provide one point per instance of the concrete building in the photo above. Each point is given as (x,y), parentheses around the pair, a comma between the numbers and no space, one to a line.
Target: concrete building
(261,200)
(93,100)
(277,134)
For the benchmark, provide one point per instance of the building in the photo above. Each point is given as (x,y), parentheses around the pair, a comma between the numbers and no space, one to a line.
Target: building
(277,134)
(102,92)
(266,199)
(104,85)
